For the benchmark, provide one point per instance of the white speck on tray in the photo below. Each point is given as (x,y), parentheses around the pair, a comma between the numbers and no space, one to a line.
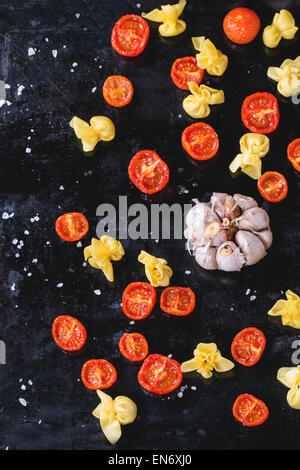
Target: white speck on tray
(187,271)
(30,382)
(20,90)
(7,86)
(131,322)
(17,255)
(23,387)
(179,116)
(26,232)
(5,215)
(77,15)
(84,264)
(193,387)
(15,241)
(180,394)
(97,291)
(34,219)
(59,285)
(46,39)
(28,150)
(94,89)
(13,287)
(170,355)
(20,380)
(35,260)
(74,64)
(253,297)
(54,53)
(31,51)
(61,188)
(40,421)
(247,292)
(29,274)
(23,401)
(79,245)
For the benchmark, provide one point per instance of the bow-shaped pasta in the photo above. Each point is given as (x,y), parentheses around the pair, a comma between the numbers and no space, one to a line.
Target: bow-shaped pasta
(207,357)
(197,104)
(100,128)
(113,413)
(101,252)
(290,377)
(289,310)
(253,148)
(209,57)
(287,76)
(168,15)
(283,26)
(157,271)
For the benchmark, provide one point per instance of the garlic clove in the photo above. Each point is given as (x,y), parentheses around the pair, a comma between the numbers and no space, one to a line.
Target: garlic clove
(251,246)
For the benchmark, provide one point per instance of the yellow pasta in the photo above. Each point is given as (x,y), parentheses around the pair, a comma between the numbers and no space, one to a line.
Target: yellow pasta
(101,252)
(290,377)
(289,310)
(197,104)
(210,58)
(253,148)
(207,357)
(168,15)
(283,26)
(100,128)
(114,413)
(157,271)
(287,76)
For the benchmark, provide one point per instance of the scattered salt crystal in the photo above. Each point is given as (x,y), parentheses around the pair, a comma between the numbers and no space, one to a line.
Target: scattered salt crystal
(13,287)
(97,291)
(26,232)
(40,421)
(179,116)
(28,150)
(131,322)
(34,260)
(29,274)
(20,380)
(11,215)
(94,89)
(170,355)
(180,394)
(20,90)
(15,241)
(5,215)
(54,53)
(84,264)
(193,387)
(46,39)
(74,64)
(61,188)
(17,255)
(31,51)
(30,382)
(23,387)
(187,271)
(253,297)
(60,284)
(7,86)
(23,401)
(77,15)
(247,292)
(79,245)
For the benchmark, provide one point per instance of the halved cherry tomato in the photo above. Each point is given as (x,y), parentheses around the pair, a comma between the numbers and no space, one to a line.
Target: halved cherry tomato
(117,91)
(248,346)
(72,227)
(200,141)
(260,112)
(130,35)
(241,25)
(272,186)
(184,70)
(134,346)
(250,411)
(98,373)
(138,300)
(69,333)
(148,172)
(293,152)
(159,374)
(178,301)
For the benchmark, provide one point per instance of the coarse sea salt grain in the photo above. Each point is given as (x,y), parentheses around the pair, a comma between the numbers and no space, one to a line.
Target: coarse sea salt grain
(97,291)
(20,90)
(59,285)
(253,297)
(23,401)
(193,387)
(187,271)
(94,89)
(31,51)
(28,150)
(15,241)
(247,292)
(5,215)
(23,387)
(54,53)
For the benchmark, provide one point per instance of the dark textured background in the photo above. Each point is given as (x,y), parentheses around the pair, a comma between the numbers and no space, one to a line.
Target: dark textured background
(58,412)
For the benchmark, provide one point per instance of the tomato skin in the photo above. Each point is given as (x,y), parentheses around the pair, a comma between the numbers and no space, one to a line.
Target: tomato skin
(256,105)
(94,368)
(129,26)
(293,153)
(248,342)
(146,180)
(68,333)
(141,294)
(134,346)
(117,91)
(241,25)
(184,70)
(169,370)
(71,226)
(203,134)
(249,410)
(272,186)
(182,301)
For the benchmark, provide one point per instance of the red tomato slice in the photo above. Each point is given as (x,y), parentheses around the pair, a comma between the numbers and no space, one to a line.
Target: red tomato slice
(72,227)
(248,346)
(200,141)
(293,152)
(130,35)
(148,172)
(250,411)
(69,333)
(98,373)
(184,70)
(134,346)
(117,91)
(159,374)
(241,25)
(138,300)
(260,113)
(272,186)
(178,301)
